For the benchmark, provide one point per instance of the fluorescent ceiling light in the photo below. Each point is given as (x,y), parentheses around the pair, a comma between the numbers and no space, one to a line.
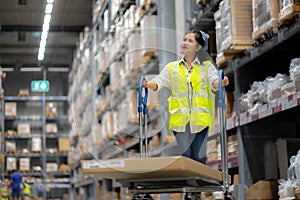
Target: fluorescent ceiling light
(58,69)
(50,1)
(30,69)
(41,57)
(49,8)
(44,35)
(47,18)
(43,44)
(8,69)
(45,27)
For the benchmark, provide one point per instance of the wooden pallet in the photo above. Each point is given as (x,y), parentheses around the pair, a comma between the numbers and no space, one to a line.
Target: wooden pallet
(40,151)
(226,55)
(24,171)
(287,14)
(10,152)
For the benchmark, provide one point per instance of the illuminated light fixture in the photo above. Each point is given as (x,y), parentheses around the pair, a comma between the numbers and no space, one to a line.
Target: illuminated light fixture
(46,26)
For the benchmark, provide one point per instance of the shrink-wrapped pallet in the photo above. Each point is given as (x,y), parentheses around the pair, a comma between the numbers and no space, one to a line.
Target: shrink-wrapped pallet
(265,17)
(212,150)
(24,92)
(116,73)
(102,61)
(23,129)
(232,145)
(135,58)
(288,9)
(10,146)
(24,164)
(123,113)
(36,145)
(51,128)
(11,164)
(51,167)
(234,25)
(107,124)
(133,98)
(149,35)
(10,109)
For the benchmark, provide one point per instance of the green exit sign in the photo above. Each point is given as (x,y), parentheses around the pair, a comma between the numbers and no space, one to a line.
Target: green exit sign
(40,86)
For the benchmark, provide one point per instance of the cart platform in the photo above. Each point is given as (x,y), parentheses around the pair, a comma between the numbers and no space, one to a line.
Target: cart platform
(157,174)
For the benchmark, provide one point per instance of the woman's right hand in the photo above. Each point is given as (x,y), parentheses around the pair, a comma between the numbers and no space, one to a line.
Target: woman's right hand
(145,84)
(150,84)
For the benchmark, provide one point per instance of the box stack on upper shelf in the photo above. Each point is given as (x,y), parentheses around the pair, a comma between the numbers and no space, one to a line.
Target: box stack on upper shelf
(288,10)
(265,18)
(233,29)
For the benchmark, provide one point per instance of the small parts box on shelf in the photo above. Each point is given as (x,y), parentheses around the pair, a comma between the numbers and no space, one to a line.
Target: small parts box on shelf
(23,129)
(10,109)
(51,109)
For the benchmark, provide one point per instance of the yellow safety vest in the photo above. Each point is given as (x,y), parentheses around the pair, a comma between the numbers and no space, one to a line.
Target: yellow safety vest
(201,112)
(26,189)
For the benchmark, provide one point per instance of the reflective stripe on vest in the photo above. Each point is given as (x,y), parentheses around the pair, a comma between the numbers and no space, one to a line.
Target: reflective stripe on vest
(201,112)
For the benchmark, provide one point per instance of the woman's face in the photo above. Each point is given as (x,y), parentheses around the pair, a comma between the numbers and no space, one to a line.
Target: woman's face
(189,45)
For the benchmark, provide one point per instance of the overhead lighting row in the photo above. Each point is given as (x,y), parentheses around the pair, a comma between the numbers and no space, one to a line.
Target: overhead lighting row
(46,25)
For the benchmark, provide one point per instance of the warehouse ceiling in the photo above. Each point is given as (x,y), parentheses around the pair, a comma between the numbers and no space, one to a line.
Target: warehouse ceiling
(21,27)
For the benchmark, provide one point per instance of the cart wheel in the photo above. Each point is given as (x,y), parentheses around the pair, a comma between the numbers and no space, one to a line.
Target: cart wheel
(148,197)
(136,197)
(228,196)
(188,196)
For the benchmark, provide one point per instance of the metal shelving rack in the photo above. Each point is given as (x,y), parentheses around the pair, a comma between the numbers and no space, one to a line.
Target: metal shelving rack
(62,180)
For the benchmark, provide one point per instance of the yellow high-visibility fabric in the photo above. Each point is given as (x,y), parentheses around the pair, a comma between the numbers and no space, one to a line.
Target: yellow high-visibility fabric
(201,112)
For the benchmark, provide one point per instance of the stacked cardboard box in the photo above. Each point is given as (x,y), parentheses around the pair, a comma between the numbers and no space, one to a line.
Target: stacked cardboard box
(63,144)
(233,28)
(51,167)
(262,190)
(10,147)
(10,109)
(23,129)
(51,128)
(288,9)
(24,164)
(36,145)
(265,17)
(149,37)
(11,164)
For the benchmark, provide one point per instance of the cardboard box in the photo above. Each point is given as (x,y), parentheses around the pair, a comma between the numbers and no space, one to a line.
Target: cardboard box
(10,147)
(51,109)
(63,144)
(10,109)
(262,190)
(51,128)
(23,129)
(24,164)
(11,164)
(153,167)
(51,167)
(36,145)
(23,92)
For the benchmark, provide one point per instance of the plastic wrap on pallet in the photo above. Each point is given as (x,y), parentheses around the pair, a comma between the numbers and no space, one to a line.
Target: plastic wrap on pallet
(115,5)
(36,144)
(10,146)
(135,51)
(11,163)
(234,25)
(116,73)
(295,72)
(264,91)
(123,113)
(286,3)
(24,164)
(102,61)
(149,34)
(105,21)
(133,96)
(265,17)
(107,124)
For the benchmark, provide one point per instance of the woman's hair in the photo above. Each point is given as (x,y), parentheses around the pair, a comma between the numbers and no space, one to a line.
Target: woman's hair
(201,38)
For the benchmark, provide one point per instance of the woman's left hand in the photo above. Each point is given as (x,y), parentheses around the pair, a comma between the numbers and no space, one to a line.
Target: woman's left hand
(225,81)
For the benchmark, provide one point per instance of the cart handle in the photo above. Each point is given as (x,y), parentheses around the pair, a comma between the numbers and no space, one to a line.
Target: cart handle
(221,92)
(142,100)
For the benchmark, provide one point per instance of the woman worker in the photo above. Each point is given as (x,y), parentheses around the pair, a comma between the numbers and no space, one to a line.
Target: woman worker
(192,81)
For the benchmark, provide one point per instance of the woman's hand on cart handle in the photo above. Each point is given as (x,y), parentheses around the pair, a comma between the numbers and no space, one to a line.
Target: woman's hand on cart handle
(225,82)
(150,84)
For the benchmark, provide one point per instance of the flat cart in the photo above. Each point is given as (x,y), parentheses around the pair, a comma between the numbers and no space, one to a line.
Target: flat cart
(176,174)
